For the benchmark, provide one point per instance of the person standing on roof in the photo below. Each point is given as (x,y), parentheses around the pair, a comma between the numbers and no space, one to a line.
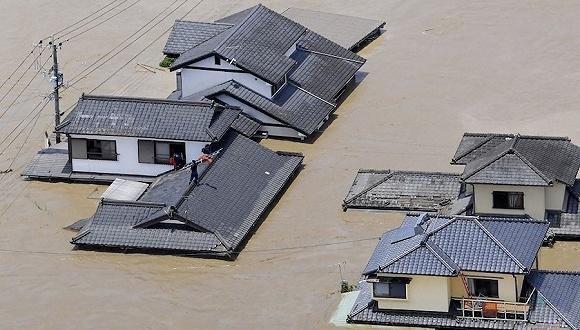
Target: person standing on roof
(202,158)
(194,176)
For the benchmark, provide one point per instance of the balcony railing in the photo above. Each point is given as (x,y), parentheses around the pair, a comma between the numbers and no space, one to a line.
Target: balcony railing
(481,308)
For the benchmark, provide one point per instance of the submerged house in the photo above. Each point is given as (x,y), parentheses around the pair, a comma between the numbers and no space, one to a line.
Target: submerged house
(504,174)
(137,136)
(462,272)
(213,218)
(286,77)
(519,174)
(407,190)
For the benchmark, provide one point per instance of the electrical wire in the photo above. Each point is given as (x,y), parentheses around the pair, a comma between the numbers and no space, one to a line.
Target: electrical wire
(18,126)
(84,18)
(22,75)
(106,20)
(151,43)
(18,67)
(36,117)
(92,69)
(299,247)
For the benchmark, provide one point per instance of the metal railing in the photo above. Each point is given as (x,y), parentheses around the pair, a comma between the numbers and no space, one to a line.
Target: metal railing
(482,308)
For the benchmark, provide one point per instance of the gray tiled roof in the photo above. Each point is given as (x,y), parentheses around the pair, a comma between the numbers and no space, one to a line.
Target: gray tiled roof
(291,105)
(112,226)
(517,159)
(569,225)
(148,118)
(408,190)
(246,125)
(365,311)
(233,193)
(317,68)
(259,43)
(443,245)
(558,293)
(185,35)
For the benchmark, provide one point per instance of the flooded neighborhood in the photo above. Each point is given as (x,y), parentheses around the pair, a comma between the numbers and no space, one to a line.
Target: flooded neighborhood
(276,226)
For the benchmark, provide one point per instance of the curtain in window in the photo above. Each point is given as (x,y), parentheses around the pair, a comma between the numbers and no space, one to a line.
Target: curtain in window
(516,200)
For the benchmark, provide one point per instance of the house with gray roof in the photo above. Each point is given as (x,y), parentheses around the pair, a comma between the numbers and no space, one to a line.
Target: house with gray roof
(556,295)
(286,77)
(407,191)
(519,174)
(459,272)
(138,136)
(213,218)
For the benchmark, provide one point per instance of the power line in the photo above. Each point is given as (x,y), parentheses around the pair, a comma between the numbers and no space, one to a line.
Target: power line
(299,247)
(25,87)
(151,43)
(36,117)
(20,65)
(84,18)
(73,81)
(18,126)
(19,78)
(106,20)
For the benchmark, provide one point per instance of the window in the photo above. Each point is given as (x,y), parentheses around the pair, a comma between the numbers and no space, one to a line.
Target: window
(391,287)
(93,149)
(217,60)
(508,200)
(159,152)
(483,287)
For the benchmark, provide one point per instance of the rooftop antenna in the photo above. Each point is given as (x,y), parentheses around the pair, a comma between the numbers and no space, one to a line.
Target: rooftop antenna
(56,81)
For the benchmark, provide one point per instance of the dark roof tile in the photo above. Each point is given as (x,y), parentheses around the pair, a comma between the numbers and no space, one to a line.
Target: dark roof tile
(517,159)
(445,245)
(123,116)
(185,35)
(214,217)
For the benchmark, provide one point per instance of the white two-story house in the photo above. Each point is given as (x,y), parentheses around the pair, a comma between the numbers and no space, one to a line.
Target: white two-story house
(138,136)
(286,77)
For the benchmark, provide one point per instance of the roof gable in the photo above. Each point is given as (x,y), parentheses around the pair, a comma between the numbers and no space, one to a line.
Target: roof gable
(185,35)
(148,118)
(292,106)
(508,168)
(450,244)
(259,43)
(517,159)
(233,192)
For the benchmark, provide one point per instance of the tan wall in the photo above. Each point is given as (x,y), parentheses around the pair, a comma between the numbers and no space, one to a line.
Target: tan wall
(425,293)
(506,285)
(534,200)
(555,196)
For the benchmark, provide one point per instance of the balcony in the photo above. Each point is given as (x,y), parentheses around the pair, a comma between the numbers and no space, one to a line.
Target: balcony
(491,309)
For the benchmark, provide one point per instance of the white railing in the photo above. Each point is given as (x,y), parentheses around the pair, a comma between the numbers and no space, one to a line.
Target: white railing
(481,308)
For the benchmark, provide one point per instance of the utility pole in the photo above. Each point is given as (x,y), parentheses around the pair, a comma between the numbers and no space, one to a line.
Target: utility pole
(56,81)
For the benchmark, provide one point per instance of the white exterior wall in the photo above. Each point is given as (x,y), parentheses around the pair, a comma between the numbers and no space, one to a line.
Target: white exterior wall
(506,285)
(194,78)
(555,196)
(534,200)
(276,128)
(128,157)
(424,293)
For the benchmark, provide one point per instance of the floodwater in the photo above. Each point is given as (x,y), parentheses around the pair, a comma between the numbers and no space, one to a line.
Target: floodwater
(440,69)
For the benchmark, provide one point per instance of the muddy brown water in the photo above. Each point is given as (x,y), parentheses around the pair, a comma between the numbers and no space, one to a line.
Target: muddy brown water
(440,69)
